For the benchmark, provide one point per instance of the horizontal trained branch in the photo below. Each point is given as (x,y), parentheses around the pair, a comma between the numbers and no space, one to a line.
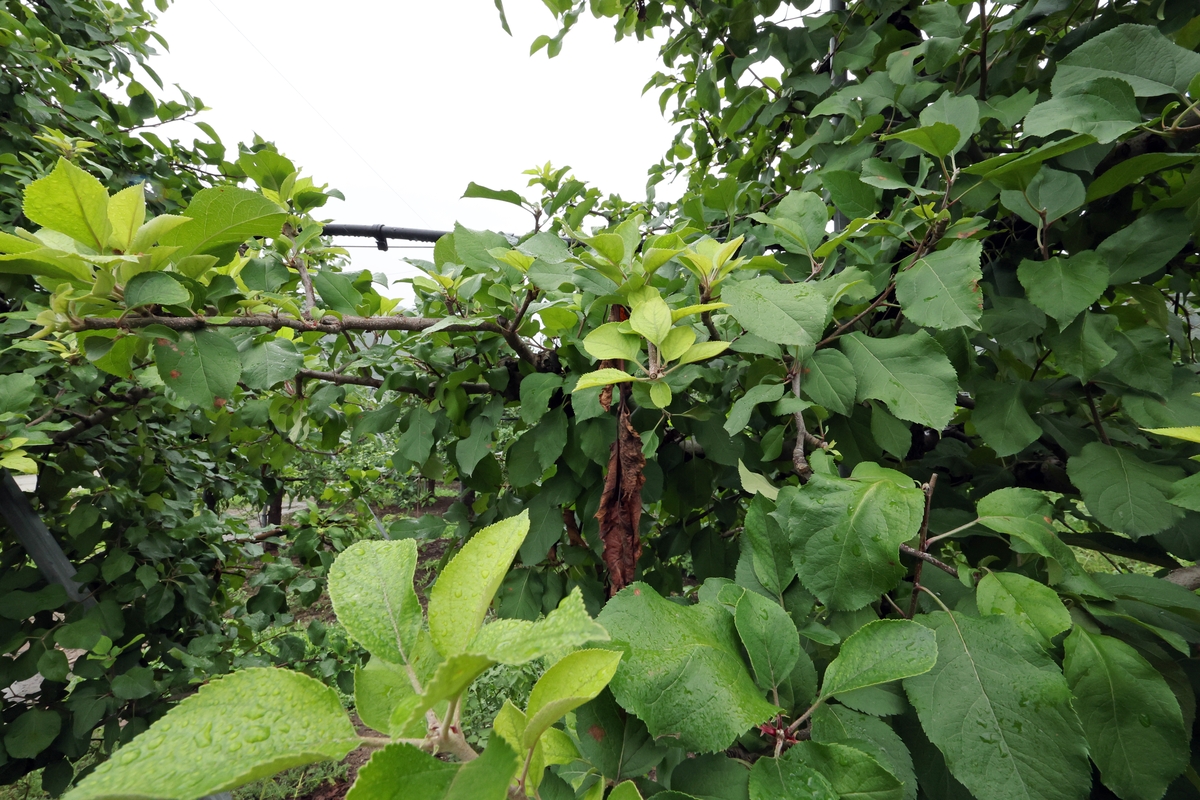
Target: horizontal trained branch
(360,380)
(327,324)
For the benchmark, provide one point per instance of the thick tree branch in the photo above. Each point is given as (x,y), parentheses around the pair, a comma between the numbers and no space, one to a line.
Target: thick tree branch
(327,324)
(942,565)
(359,380)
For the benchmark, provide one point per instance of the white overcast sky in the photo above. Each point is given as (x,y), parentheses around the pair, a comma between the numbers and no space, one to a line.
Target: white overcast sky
(401,104)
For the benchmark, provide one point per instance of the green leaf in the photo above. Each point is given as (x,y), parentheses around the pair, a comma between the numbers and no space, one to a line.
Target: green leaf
(32,732)
(402,772)
(798,221)
(70,201)
(753,483)
(160,288)
(769,635)
(1051,192)
(602,377)
(606,342)
(784,313)
(379,688)
(1132,721)
(909,373)
(702,351)
(939,139)
(1144,246)
(572,681)
(202,367)
(683,673)
(880,652)
(518,641)
(660,394)
(18,390)
(450,679)
(651,318)
(1082,349)
(847,549)
(1033,606)
(417,440)
(482,192)
(1137,54)
(829,380)
(788,778)
(960,111)
(941,290)
(535,393)
(1132,170)
(1063,287)
(371,586)
(236,729)
(1102,107)
(1122,491)
(270,363)
(677,342)
(853,198)
(337,291)
(224,217)
(853,774)
(739,413)
(770,550)
(460,598)
(625,791)
(1002,418)
(837,724)
(1000,711)
(614,742)
(126,215)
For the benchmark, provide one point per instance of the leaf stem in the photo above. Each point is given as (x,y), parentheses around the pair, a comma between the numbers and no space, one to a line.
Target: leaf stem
(951,532)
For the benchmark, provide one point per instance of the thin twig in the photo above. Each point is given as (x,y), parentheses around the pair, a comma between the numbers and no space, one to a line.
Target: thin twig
(942,565)
(1087,392)
(924,537)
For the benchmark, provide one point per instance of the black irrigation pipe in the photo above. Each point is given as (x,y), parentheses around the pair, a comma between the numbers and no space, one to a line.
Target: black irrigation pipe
(381,233)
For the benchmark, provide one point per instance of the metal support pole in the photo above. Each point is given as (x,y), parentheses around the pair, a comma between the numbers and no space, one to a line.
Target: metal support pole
(37,540)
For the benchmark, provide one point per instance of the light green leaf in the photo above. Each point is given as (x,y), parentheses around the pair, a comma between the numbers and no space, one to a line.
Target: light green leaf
(687,311)
(602,377)
(939,139)
(754,483)
(606,342)
(1102,107)
(909,373)
(1033,606)
(224,217)
(788,778)
(202,367)
(676,343)
(54,264)
(70,201)
(1002,419)
(880,652)
(161,288)
(482,192)
(1124,492)
(150,232)
(1000,711)
(941,290)
(1063,287)
(460,598)
(371,586)
(450,679)
(379,688)
(703,351)
(683,672)
(784,313)
(236,729)
(829,380)
(337,291)
(402,772)
(1051,192)
(126,215)
(847,536)
(625,791)
(1137,54)
(739,414)
(651,318)
(518,641)
(853,774)
(572,681)
(1131,718)
(270,363)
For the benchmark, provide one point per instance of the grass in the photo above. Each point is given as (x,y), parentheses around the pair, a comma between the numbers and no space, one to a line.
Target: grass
(294,783)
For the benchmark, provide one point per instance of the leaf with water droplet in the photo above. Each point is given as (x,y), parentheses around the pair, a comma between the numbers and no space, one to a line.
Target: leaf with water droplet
(1132,721)
(517,641)
(460,599)
(880,652)
(179,757)
(371,586)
